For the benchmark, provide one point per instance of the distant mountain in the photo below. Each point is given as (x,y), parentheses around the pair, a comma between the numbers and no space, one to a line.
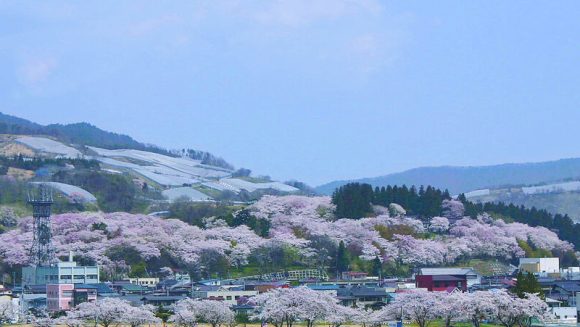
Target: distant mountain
(465,179)
(90,135)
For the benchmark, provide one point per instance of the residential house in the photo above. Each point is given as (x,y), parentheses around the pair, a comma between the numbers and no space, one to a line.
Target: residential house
(144,281)
(362,295)
(229,294)
(59,297)
(163,300)
(565,291)
(445,279)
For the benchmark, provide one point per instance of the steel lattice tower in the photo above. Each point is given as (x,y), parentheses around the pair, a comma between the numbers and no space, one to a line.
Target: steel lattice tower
(42,253)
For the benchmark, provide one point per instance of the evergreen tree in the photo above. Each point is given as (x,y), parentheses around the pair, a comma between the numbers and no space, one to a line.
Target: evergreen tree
(377,267)
(527,283)
(342,259)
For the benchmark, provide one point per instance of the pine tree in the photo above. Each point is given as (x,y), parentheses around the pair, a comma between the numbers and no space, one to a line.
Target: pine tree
(527,283)
(342,259)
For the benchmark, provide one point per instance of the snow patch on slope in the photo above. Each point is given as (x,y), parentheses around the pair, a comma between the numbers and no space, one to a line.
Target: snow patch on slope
(162,169)
(552,188)
(49,146)
(72,192)
(240,184)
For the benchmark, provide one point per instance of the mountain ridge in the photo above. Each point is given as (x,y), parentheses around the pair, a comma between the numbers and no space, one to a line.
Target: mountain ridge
(87,134)
(460,179)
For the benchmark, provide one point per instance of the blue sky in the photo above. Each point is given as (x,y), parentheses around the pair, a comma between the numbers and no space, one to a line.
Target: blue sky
(314,90)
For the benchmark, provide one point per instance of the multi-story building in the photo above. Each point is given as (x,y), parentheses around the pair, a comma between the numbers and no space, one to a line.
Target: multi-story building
(67,272)
(544,267)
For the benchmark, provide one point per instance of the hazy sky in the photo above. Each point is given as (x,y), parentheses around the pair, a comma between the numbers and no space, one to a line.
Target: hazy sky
(305,89)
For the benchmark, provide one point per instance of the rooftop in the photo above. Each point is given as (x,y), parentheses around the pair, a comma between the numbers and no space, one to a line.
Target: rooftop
(447,271)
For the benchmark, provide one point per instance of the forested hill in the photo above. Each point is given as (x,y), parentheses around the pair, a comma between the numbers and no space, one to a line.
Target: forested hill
(464,179)
(90,135)
(356,200)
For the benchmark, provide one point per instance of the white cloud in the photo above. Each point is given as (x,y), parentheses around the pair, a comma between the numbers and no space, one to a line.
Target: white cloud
(36,71)
(297,13)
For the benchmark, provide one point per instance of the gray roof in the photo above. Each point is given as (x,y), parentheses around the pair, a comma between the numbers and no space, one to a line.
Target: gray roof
(447,271)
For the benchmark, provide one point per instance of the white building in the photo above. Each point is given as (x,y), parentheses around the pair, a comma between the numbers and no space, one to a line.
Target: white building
(570,273)
(67,272)
(540,266)
(564,315)
(229,294)
(144,281)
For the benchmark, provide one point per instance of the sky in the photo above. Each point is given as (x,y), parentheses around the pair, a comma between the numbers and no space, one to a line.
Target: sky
(313,90)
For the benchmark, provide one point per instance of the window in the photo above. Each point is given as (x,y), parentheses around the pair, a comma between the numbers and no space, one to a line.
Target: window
(228,297)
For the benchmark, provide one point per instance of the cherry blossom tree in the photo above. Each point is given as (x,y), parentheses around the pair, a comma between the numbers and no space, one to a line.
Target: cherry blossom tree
(70,320)
(8,312)
(215,313)
(452,209)
(510,310)
(396,210)
(139,316)
(477,306)
(286,305)
(418,306)
(439,224)
(448,307)
(185,313)
(338,315)
(106,312)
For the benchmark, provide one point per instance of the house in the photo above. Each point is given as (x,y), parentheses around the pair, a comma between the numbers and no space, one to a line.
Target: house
(85,293)
(210,282)
(354,275)
(563,315)
(59,297)
(229,294)
(446,279)
(570,273)
(263,287)
(63,297)
(361,295)
(566,291)
(144,281)
(125,287)
(544,267)
(161,300)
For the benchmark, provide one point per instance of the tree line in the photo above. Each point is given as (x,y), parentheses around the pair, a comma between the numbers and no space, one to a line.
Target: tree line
(355,200)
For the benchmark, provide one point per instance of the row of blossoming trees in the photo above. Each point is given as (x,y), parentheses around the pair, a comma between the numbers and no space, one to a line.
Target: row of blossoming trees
(285,307)
(305,224)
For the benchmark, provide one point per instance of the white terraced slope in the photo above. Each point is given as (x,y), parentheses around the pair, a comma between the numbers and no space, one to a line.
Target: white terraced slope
(164,170)
(72,192)
(161,169)
(46,145)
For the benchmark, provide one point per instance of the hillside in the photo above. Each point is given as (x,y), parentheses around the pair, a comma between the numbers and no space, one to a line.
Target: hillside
(557,198)
(87,165)
(465,179)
